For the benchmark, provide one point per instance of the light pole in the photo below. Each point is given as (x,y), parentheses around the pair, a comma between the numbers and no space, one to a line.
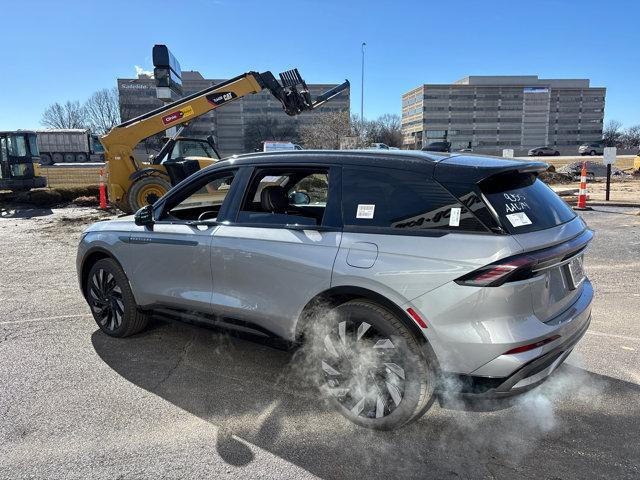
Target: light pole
(362,85)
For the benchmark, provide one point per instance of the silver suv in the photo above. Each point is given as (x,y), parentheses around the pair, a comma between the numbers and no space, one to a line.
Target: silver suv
(395,270)
(591,149)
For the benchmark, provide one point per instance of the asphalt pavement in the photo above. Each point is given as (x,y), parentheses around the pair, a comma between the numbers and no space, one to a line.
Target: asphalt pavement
(182,401)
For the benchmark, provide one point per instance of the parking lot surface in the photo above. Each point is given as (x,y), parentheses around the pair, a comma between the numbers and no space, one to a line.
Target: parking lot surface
(181,401)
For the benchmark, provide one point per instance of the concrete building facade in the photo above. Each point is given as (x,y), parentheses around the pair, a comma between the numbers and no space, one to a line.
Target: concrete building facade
(491,113)
(228,124)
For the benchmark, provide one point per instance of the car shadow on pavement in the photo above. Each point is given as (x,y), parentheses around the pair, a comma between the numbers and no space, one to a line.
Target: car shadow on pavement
(259,396)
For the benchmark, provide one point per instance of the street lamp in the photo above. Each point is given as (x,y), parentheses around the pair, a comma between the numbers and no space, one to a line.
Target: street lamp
(362,85)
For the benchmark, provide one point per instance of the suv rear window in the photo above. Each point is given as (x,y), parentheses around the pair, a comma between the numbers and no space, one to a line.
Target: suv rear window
(400,200)
(524,203)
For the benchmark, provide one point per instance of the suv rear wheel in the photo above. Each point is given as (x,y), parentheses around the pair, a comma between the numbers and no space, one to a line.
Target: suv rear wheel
(111,300)
(373,368)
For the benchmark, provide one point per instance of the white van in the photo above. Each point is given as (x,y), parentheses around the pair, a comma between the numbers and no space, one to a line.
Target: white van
(276,146)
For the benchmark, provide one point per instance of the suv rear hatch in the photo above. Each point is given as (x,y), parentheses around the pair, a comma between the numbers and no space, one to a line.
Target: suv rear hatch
(552,237)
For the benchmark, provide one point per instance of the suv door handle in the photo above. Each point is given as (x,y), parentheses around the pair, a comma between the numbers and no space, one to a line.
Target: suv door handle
(317,228)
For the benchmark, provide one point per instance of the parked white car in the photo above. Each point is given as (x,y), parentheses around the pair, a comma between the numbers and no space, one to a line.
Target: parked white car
(275,146)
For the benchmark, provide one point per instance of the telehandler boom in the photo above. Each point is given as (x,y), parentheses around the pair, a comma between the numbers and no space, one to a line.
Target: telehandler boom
(133,184)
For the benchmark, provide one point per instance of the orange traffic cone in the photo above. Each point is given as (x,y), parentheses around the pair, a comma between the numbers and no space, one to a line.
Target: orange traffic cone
(103,192)
(582,193)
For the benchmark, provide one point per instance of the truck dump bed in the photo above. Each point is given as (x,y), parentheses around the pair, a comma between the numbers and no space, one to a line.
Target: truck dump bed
(63,141)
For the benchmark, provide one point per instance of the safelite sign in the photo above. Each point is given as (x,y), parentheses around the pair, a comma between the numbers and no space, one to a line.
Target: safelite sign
(178,115)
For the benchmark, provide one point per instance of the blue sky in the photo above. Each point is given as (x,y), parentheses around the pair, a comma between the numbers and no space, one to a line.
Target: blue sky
(58,51)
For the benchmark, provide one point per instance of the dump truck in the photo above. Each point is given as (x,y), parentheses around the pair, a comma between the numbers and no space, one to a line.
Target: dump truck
(69,145)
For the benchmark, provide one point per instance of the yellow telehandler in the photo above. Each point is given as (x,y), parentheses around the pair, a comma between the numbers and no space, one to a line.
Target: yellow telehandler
(133,184)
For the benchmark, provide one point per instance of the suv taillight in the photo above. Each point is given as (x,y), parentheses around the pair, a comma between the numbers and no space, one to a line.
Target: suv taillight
(495,274)
(526,265)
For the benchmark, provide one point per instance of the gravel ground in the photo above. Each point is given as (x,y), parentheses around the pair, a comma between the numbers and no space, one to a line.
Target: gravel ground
(190,402)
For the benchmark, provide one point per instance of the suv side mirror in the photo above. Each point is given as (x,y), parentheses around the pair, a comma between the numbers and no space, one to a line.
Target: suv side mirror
(299,198)
(144,216)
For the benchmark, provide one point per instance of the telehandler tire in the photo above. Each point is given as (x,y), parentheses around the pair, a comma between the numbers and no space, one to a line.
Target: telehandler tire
(146,191)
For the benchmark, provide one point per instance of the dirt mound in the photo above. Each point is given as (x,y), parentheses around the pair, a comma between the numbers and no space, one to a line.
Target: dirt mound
(555,178)
(86,201)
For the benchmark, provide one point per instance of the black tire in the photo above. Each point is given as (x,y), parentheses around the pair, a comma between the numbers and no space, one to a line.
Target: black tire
(147,191)
(556,153)
(45,159)
(69,158)
(57,158)
(81,157)
(592,153)
(111,301)
(378,374)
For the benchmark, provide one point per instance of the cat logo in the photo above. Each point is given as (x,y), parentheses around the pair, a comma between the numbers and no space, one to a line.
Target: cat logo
(219,98)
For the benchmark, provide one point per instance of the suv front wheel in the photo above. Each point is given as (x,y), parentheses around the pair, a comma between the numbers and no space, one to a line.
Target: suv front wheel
(373,368)
(111,300)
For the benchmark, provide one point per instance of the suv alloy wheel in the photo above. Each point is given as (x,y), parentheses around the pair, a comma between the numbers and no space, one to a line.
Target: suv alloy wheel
(373,369)
(111,300)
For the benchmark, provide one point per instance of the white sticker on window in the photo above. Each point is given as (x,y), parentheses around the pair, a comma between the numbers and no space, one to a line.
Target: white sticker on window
(365,211)
(518,219)
(454,217)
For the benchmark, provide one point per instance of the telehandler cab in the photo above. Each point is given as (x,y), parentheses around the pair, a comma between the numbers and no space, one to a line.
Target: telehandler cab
(134,184)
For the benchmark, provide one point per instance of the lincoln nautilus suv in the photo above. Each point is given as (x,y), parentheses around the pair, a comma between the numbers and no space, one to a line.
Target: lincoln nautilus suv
(401,268)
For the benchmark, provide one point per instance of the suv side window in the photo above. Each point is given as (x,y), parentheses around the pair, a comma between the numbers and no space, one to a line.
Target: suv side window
(401,200)
(204,200)
(286,196)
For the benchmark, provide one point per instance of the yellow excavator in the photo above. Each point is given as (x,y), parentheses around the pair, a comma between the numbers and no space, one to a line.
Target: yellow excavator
(133,184)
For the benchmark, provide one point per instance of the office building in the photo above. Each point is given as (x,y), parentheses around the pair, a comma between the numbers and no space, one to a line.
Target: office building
(490,113)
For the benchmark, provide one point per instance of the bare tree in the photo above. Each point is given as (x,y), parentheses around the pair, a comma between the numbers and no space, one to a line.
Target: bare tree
(385,129)
(612,133)
(69,115)
(360,129)
(630,138)
(268,128)
(326,131)
(103,110)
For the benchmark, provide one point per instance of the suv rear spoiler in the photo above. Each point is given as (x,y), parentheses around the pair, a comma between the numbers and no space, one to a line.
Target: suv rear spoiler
(472,169)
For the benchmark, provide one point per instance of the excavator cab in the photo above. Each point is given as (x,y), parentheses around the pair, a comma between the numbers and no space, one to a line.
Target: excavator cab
(18,151)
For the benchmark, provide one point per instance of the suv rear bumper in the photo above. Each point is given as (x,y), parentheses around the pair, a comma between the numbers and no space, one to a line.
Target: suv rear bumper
(531,370)
(525,378)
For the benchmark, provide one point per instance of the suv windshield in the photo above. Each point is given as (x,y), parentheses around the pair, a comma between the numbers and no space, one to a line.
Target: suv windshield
(525,204)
